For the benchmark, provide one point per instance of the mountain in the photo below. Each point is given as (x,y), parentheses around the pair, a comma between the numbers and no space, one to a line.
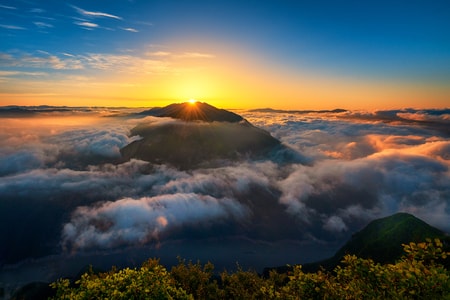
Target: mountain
(381,240)
(199,135)
(193,111)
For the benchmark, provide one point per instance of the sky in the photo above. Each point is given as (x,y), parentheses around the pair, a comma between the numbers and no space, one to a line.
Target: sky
(231,54)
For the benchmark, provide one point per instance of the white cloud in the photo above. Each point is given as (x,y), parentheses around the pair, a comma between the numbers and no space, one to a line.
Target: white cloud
(377,169)
(195,55)
(158,53)
(13,27)
(87,24)
(95,14)
(20,73)
(7,7)
(138,221)
(37,10)
(48,60)
(129,29)
(43,25)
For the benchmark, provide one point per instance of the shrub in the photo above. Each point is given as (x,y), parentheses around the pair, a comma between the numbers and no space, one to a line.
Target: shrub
(417,275)
(151,281)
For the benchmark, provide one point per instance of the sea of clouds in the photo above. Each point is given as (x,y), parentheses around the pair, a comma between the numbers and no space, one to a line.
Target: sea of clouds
(65,189)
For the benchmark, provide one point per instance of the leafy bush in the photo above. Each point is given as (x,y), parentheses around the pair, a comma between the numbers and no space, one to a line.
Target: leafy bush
(151,281)
(417,275)
(196,280)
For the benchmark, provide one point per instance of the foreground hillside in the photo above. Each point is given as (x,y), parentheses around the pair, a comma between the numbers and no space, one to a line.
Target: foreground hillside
(417,275)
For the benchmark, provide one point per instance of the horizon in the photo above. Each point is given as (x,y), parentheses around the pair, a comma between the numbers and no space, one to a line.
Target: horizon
(230,108)
(243,55)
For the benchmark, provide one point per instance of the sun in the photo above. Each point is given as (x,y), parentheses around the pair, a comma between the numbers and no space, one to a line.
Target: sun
(192,101)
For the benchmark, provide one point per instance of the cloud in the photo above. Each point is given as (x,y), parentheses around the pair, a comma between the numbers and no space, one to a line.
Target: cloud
(138,221)
(46,60)
(95,14)
(43,25)
(13,27)
(7,7)
(37,10)
(145,64)
(195,55)
(87,24)
(125,63)
(66,163)
(20,73)
(144,23)
(129,29)
(363,167)
(441,116)
(158,53)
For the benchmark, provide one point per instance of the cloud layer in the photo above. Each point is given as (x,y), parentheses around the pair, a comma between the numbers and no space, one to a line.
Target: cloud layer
(360,166)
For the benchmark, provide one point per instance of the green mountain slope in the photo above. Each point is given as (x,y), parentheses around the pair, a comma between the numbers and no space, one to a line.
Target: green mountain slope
(381,240)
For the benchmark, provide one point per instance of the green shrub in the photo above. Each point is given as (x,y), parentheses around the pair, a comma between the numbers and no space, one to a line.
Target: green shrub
(151,281)
(417,275)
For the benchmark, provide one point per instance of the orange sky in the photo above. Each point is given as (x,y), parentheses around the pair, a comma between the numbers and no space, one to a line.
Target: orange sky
(155,78)
(238,55)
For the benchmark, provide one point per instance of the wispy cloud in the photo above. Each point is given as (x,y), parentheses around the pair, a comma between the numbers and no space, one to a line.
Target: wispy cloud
(47,61)
(129,29)
(95,13)
(158,53)
(145,64)
(13,27)
(37,10)
(7,7)
(87,24)
(144,23)
(195,55)
(20,73)
(43,25)
(125,63)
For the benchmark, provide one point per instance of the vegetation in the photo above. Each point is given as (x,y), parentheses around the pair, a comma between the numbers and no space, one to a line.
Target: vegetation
(418,274)
(381,240)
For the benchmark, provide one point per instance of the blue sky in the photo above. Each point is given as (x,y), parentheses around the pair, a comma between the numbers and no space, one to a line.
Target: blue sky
(401,41)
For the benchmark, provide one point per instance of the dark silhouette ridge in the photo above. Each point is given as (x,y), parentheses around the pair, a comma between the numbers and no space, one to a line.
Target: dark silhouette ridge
(271,110)
(205,135)
(197,111)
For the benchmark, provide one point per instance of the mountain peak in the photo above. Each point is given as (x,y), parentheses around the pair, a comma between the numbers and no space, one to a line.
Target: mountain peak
(194,111)
(207,136)
(382,239)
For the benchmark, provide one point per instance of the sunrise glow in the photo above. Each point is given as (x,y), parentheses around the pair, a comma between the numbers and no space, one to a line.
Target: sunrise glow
(171,57)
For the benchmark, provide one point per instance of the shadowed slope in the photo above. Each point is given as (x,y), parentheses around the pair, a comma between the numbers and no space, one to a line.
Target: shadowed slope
(205,134)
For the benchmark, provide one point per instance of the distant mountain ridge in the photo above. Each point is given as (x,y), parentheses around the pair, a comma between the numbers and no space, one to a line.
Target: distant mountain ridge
(271,110)
(196,111)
